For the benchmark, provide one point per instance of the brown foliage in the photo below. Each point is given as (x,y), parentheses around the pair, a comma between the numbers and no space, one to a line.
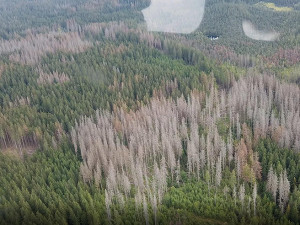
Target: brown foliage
(34,46)
(50,78)
(142,148)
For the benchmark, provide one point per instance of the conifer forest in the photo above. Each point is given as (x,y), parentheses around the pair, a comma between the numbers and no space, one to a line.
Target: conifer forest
(104,122)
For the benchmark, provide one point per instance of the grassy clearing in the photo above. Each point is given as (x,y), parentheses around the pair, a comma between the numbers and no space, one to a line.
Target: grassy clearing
(272,6)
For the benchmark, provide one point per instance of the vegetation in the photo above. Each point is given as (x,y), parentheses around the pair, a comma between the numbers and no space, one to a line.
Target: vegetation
(102,122)
(276,8)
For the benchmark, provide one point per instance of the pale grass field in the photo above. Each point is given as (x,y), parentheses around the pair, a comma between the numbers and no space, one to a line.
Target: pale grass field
(272,6)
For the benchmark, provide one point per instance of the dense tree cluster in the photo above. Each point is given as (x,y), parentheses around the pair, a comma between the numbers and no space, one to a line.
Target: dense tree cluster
(102,122)
(279,185)
(275,161)
(35,190)
(30,49)
(54,77)
(94,79)
(21,15)
(272,106)
(285,57)
(143,148)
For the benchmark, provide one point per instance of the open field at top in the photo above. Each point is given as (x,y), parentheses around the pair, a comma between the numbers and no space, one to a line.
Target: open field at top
(272,6)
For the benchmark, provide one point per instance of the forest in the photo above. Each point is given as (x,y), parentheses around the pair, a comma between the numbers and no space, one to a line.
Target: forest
(103,122)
